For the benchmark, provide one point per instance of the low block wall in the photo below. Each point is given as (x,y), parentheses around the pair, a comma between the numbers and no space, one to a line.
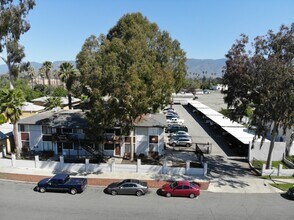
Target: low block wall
(277,172)
(261,152)
(103,167)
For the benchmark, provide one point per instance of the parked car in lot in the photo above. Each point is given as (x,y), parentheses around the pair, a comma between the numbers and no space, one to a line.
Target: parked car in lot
(62,183)
(175,121)
(290,193)
(169,116)
(181,141)
(180,133)
(128,187)
(168,109)
(175,128)
(180,188)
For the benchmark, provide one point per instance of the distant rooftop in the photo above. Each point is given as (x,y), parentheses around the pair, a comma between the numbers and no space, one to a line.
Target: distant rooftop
(31,107)
(6,130)
(73,118)
(152,120)
(64,100)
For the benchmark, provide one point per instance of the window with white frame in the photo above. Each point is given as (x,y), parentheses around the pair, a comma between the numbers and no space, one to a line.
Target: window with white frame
(67,130)
(24,128)
(47,146)
(68,146)
(46,129)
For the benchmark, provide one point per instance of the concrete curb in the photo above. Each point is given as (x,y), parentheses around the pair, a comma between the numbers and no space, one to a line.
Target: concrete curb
(101,182)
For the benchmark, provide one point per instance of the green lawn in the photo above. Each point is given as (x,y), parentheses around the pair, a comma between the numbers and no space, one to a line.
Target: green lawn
(283,186)
(277,177)
(257,164)
(291,158)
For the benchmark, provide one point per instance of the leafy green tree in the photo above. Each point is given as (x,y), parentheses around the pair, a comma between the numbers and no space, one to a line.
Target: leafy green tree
(52,102)
(41,89)
(68,75)
(191,85)
(59,91)
(12,26)
(2,119)
(10,106)
(28,92)
(130,72)
(265,78)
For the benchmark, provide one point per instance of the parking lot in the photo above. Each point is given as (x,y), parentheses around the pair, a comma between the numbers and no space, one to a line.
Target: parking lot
(222,160)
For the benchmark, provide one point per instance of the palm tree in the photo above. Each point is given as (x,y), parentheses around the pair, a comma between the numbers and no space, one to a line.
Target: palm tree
(47,67)
(68,75)
(42,74)
(31,73)
(10,106)
(52,102)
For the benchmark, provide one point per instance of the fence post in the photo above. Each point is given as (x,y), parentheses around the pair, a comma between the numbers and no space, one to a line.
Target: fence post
(112,166)
(37,161)
(164,166)
(13,160)
(3,151)
(249,151)
(187,167)
(280,169)
(138,165)
(61,163)
(87,161)
(205,169)
(263,170)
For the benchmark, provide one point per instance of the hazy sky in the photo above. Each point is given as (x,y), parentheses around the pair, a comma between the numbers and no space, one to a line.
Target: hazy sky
(206,29)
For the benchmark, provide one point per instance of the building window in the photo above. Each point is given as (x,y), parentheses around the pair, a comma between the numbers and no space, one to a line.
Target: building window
(47,138)
(76,146)
(67,131)
(108,146)
(68,146)
(25,136)
(153,139)
(80,131)
(58,130)
(46,130)
(128,139)
(47,146)
(25,145)
(127,148)
(23,127)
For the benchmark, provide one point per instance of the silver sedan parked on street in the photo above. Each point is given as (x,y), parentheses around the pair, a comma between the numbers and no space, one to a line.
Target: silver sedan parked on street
(128,187)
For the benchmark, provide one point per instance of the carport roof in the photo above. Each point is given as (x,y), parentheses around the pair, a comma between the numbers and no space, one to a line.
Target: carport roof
(198,105)
(237,130)
(242,134)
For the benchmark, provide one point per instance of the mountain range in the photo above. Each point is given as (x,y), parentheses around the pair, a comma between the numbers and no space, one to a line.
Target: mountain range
(195,67)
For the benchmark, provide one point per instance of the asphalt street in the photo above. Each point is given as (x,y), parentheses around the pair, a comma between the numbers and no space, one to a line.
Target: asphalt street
(20,201)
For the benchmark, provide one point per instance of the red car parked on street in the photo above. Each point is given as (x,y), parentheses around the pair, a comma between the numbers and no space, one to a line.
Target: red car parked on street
(180,188)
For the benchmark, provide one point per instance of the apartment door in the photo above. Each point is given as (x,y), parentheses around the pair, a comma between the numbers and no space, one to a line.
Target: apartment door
(117,149)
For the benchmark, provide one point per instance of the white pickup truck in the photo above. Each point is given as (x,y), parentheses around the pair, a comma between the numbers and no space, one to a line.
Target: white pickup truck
(175,121)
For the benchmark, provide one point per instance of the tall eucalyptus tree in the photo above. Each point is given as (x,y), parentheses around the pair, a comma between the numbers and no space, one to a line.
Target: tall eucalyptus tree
(263,78)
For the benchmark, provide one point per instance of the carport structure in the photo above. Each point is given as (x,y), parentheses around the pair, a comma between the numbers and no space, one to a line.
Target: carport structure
(236,134)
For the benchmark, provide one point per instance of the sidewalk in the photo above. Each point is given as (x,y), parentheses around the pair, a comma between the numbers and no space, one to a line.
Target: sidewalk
(102,179)
(155,181)
(245,185)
